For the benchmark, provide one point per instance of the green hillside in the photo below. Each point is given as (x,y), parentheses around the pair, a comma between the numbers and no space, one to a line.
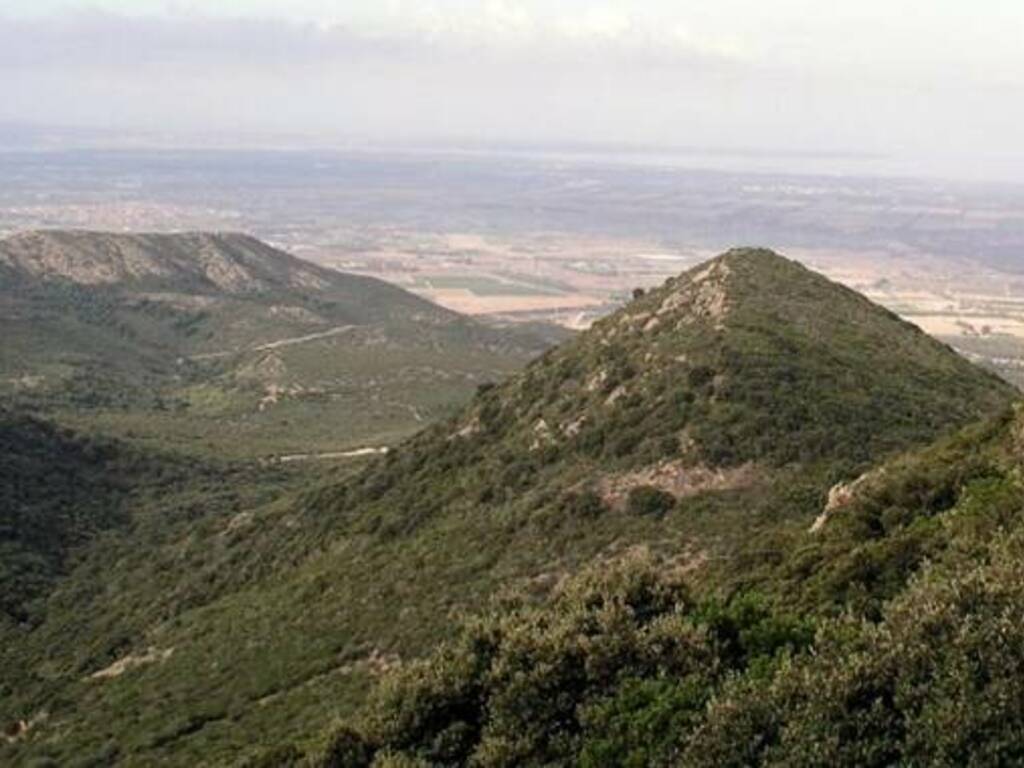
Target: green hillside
(684,445)
(56,491)
(219,343)
(888,634)
(61,491)
(716,381)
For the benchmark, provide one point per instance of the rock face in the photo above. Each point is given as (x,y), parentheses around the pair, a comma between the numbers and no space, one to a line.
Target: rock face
(841,496)
(704,297)
(230,263)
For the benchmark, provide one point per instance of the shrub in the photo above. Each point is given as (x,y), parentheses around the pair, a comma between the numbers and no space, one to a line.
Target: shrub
(586,504)
(935,683)
(649,501)
(347,750)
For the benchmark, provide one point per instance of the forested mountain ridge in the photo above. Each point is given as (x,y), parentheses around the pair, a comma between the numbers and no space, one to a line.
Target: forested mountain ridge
(685,444)
(747,364)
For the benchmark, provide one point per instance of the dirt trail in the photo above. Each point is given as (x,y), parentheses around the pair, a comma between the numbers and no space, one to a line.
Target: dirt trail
(358,452)
(336,331)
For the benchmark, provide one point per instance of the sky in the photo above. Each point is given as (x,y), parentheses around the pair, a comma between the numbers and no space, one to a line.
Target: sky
(939,80)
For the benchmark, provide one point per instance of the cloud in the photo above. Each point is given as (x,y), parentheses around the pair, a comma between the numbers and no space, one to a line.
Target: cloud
(486,74)
(96,39)
(568,71)
(104,40)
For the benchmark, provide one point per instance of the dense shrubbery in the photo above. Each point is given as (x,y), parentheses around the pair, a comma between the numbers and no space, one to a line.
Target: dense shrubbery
(585,504)
(625,669)
(947,502)
(783,641)
(936,682)
(865,656)
(815,376)
(646,500)
(58,490)
(609,672)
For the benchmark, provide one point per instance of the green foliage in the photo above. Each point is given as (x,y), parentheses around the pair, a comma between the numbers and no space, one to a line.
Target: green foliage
(646,500)
(57,491)
(585,504)
(347,749)
(918,669)
(175,357)
(935,683)
(795,371)
(935,504)
(609,671)
(287,756)
(639,725)
(270,614)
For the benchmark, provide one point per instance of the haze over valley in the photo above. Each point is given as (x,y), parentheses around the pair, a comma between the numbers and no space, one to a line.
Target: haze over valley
(457,384)
(564,236)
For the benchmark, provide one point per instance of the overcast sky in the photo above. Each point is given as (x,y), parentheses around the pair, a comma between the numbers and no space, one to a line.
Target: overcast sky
(936,78)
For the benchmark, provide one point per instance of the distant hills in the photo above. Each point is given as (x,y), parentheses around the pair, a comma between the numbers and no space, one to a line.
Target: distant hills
(197,263)
(219,342)
(649,487)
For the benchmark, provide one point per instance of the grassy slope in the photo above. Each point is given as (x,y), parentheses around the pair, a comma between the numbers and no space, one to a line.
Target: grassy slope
(58,491)
(381,561)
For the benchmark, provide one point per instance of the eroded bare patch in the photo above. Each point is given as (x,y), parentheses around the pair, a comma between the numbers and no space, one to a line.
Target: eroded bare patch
(133,661)
(677,478)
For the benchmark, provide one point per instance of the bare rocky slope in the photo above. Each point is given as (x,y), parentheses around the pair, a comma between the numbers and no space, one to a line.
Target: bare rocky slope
(222,262)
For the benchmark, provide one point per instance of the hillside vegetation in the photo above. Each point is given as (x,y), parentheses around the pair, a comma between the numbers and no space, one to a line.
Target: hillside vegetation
(581,566)
(889,635)
(56,491)
(223,344)
(714,382)
(64,494)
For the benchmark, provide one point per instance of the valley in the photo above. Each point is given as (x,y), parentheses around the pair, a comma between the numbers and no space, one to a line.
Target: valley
(564,237)
(507,384)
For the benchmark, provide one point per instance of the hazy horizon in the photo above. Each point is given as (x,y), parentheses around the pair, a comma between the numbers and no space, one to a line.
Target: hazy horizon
(935,92)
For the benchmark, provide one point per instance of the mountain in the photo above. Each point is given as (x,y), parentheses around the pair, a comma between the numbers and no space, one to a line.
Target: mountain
(685,445)
(191,262)
(219,342)
(746,365)
(885,634)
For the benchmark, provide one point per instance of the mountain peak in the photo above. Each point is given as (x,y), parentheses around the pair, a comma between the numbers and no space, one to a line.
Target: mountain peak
(754,255)
(749,357)
(763,264)
(708,293)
